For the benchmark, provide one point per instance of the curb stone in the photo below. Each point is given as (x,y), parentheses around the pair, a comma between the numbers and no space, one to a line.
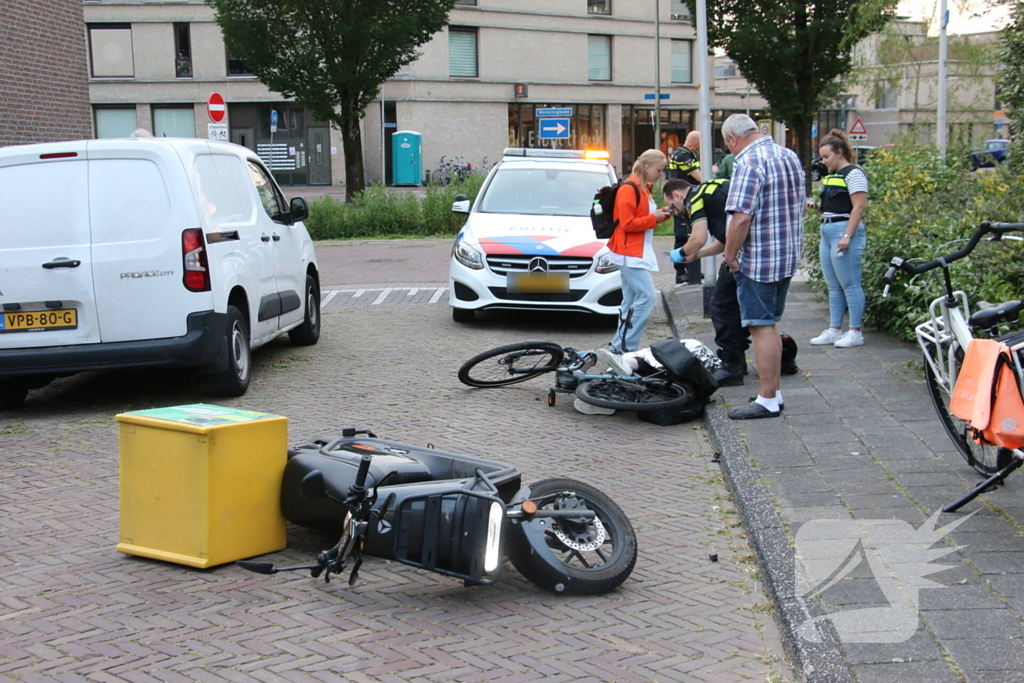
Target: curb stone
(813,662)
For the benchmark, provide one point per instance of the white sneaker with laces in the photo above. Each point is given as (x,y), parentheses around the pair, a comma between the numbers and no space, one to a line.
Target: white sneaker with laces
(829,336)
(614,361)
(851,338)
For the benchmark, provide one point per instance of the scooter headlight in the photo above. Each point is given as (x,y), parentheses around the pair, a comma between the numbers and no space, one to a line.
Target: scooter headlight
(468,256)
(492,550)
(605,265)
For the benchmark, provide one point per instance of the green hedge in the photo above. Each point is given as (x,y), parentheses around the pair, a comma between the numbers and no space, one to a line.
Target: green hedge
(918,204)
(379,212)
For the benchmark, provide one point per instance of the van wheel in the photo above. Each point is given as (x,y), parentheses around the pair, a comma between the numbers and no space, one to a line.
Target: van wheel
(308,333)
(235,380)
(12,395)
(463,315)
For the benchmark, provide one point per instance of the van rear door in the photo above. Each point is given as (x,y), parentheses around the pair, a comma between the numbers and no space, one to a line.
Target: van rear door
(140,204)
(46,286)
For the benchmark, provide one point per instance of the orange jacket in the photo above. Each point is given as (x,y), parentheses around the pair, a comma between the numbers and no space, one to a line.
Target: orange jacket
(634,219)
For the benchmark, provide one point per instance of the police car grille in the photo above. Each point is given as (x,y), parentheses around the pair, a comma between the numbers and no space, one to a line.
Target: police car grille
(576,266)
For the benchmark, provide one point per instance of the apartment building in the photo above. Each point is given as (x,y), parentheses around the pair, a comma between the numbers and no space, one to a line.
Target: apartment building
(44,96)
(475,90)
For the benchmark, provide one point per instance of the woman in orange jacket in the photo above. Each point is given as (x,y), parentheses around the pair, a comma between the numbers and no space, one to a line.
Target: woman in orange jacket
(632,247)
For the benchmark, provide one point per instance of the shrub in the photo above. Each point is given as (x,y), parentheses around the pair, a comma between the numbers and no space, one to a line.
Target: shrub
(920,205)
(379,212)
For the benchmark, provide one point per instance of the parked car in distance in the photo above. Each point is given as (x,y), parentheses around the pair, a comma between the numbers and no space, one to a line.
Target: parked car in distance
(137,252)
(529,242)
(993,153)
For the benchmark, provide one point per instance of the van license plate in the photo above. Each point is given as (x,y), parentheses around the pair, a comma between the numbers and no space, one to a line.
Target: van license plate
(37,321)
(538,283)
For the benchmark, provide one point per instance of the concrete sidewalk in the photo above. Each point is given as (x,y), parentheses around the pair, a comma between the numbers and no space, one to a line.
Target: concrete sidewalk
(858,441)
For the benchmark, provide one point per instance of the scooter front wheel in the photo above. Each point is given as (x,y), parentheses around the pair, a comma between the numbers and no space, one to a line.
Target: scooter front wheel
(579,557)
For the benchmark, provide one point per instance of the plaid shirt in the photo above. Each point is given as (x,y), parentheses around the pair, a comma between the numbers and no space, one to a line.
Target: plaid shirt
(768,184)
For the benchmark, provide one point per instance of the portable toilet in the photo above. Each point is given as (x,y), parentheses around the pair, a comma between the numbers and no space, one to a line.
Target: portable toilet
(406,157)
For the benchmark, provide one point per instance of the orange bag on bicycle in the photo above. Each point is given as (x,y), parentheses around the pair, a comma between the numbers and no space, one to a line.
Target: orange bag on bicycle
(987,395)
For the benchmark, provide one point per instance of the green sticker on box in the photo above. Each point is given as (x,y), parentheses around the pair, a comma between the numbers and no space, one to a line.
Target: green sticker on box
(203,414)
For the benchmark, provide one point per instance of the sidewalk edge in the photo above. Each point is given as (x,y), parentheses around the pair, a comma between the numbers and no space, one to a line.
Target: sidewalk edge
(813,662)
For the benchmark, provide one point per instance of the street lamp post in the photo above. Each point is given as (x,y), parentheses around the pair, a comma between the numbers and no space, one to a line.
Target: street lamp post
(383,132)
(657,75)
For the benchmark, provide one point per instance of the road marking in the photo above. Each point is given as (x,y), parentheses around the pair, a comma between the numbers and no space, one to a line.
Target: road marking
(383,295)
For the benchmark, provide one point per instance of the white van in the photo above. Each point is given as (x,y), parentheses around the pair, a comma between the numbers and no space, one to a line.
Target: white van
(147,252)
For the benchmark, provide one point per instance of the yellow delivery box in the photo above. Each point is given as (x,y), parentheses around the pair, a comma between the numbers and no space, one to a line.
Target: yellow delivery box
(201,484)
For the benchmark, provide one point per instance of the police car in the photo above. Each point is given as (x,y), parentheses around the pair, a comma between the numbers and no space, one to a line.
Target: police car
(529,243)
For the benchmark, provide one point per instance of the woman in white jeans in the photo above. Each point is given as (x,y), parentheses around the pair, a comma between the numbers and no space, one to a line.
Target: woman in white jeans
(844,195)
(632,248)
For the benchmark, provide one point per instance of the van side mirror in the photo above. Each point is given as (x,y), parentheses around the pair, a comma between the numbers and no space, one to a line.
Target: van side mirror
(299,210)
(461,204)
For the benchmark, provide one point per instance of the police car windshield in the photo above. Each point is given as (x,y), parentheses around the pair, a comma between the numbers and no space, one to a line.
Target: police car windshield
(543,192)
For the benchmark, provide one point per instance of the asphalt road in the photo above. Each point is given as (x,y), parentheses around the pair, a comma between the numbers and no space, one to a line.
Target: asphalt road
(72,608)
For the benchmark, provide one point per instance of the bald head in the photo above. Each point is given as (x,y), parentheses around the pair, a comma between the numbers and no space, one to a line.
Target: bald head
(692,140)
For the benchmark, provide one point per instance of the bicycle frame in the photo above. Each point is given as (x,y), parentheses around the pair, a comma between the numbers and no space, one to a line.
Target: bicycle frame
(945,330)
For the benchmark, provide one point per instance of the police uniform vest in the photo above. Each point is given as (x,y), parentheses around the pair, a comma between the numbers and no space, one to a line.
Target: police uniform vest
(835,195)
(682,163)
(708,202)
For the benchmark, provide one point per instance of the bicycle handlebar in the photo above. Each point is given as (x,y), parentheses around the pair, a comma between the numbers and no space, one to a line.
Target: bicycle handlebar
(996,229)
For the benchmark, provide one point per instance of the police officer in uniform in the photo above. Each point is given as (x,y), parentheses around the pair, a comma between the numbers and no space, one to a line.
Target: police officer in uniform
(684,164)
(704,205)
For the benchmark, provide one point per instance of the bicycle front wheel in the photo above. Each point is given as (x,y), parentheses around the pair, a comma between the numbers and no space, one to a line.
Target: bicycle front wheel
(644,393)
(987,460)
(510,364)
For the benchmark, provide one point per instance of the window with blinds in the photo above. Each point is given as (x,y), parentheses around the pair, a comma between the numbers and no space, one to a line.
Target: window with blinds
(680,11)
(599,58)
(462,52)
(681,61)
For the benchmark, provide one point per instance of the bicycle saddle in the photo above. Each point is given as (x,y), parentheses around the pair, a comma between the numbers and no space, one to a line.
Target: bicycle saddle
(989,315)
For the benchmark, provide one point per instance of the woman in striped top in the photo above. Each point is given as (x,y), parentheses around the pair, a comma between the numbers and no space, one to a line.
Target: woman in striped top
(844,195)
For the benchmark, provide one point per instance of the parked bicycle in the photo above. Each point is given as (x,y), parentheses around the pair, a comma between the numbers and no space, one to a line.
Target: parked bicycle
(515,363)
(447,171)
(944,338)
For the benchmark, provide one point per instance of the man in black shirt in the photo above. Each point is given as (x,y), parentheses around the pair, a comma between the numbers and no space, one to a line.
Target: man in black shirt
(684,164)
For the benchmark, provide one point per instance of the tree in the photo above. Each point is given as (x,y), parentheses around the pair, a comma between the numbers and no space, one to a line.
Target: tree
(332,56)
(794,51)
(1011,82)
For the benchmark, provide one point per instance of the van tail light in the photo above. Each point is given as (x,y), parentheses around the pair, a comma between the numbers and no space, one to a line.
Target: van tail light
(193,254)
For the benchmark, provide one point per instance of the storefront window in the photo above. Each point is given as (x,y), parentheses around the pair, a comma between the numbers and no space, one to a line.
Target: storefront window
(586,126)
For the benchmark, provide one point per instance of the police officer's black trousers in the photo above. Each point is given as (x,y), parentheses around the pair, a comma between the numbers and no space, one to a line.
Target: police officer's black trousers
(681,230)
(731,337)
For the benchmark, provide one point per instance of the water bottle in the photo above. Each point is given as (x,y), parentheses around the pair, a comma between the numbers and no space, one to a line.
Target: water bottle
(597,208)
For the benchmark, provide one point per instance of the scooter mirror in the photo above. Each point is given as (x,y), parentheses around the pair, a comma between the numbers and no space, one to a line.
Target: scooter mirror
(312,486)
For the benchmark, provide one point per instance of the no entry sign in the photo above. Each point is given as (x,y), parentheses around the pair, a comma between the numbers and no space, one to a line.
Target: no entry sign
(215,107)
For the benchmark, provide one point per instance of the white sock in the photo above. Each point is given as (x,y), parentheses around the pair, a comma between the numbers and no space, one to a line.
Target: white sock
(771,404)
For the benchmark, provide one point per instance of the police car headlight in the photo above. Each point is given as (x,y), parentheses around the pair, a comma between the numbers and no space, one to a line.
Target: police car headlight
(468,256)
(605,265)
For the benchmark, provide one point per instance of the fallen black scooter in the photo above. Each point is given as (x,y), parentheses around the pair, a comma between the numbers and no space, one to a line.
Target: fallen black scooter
(452,514)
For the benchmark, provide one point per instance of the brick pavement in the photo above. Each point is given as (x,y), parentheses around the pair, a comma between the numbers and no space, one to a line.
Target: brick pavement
(859,440)
(72,608)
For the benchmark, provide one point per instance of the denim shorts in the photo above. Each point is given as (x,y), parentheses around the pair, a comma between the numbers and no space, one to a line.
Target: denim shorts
(761,303)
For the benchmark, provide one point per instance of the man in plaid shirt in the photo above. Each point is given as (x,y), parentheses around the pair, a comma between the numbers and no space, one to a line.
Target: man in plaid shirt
(763,247)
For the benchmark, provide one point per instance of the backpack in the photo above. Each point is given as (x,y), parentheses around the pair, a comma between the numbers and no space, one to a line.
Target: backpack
(686,368)
(987,395)
(604,220)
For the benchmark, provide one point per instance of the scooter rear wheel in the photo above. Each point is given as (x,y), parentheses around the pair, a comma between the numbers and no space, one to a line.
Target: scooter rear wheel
(595,557)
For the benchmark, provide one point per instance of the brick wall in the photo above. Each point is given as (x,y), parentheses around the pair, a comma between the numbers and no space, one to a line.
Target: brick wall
(44,93)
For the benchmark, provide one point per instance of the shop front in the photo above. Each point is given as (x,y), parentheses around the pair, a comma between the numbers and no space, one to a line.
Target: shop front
(584,126)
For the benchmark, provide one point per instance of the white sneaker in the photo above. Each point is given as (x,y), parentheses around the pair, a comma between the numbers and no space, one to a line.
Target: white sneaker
(614,361)
(588,409)
(829,336)
(851,338)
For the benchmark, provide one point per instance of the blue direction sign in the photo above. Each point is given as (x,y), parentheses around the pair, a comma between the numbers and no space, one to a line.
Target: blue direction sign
(651,96)
(554,129)
(564,111)
(273,120)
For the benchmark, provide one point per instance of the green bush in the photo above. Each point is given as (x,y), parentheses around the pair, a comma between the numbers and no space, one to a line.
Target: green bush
(379,212)
(920,205)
